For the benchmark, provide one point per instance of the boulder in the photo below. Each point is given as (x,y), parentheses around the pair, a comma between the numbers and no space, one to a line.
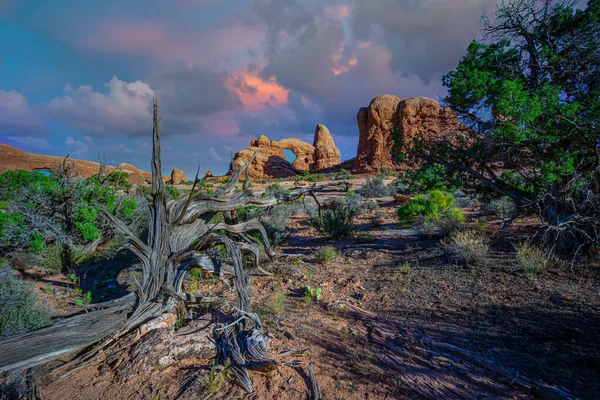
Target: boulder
(270,162)
(12,158)
(208,174)
(418,117)
(177,177)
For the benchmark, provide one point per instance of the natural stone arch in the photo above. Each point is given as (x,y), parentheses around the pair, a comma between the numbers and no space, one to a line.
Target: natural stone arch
(271,162)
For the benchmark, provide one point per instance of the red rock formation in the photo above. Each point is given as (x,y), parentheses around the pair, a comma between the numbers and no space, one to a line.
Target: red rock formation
(375,141)
(270,162)
(15,159)
(326,154)
(417,117)
(208,174)
(177,177)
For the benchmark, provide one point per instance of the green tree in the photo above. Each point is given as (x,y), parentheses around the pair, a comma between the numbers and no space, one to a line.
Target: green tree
(531,95)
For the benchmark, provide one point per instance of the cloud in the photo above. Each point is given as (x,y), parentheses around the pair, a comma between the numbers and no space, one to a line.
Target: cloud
(215,155)
(171,44)
(79,148)
(427,38)
(256,93)
(125,109)
(314,57)
(339,11)
(17,117)
(193,92)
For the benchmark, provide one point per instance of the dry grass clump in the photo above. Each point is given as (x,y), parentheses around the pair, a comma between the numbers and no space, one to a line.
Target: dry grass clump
(467,246)
(533,259)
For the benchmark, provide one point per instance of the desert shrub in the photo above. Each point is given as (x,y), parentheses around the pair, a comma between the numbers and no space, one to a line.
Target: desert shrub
(502,207)
(119,180)
(277,219)
(325,254)
(463,200)
(467,246)
(275,303)
(172,192)
(344,175)
(335,224)
(369,206)
(19,309)
(338,222)
(13,233)
(57,258)
(377,217)
(431,206)
(376,187)
(533,259)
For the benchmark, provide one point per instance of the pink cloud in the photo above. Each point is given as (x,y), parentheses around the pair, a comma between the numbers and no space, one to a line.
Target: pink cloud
(339,11)
(170,45)
(255,93)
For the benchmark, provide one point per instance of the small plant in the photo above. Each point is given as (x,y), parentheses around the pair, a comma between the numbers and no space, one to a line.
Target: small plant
(531,258)
(275,303)
(308,275)
(344,335)
(401,273)
(216,377)
(325,255)
(468,247)
(404,268)
(311,294)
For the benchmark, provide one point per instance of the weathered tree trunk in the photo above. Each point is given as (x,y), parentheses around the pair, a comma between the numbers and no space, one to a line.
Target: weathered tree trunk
(179,234)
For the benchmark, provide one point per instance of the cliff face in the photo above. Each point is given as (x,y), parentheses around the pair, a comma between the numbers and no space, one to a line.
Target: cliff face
(270,162)
(418,117)
(14,159)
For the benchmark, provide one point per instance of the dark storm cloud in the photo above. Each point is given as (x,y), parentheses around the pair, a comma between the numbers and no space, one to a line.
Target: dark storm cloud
(427,38)
(191,93)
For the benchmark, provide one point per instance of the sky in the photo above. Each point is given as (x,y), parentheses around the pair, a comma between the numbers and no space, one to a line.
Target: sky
(78,77)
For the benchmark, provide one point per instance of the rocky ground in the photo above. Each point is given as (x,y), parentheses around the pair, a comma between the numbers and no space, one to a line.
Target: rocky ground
(396,318)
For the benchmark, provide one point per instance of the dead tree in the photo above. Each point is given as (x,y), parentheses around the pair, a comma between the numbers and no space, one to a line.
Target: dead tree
(180,232)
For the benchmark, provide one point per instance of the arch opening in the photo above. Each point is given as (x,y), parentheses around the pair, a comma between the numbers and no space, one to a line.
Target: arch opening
(289,155)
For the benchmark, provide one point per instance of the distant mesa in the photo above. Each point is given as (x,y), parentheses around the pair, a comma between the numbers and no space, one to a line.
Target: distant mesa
(14,159)
(270,162)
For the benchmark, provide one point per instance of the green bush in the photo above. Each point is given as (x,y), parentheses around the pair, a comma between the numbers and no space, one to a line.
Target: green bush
(172,192)
(428,177)
(128,207)
(325,255)
(36,243)
(431,206)
(19,309)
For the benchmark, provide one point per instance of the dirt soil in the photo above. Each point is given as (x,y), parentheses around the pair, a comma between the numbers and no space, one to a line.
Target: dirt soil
(397,319)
